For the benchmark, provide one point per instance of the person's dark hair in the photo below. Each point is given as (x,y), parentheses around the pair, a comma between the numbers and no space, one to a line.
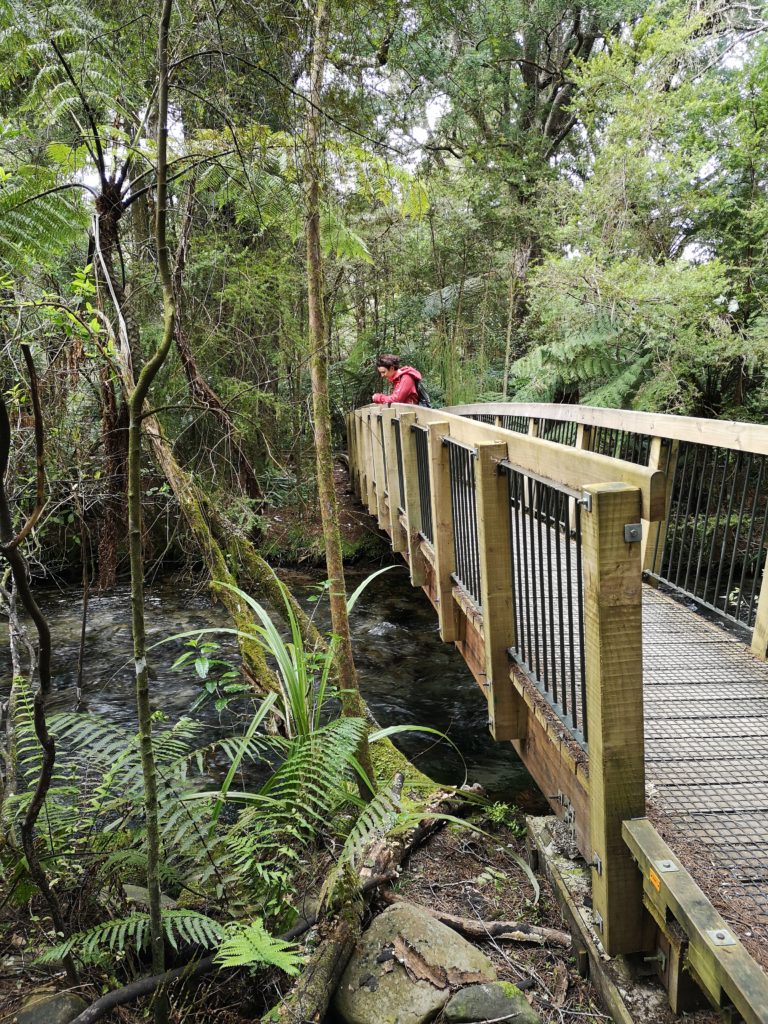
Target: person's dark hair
(389,361)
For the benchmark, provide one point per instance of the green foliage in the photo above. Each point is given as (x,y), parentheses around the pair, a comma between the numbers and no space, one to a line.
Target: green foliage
(131,934)
(251,945)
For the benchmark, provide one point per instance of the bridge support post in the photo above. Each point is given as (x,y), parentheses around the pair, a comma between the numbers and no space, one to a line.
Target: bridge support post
(442,529)
(412,500)
(507,711)
(614,680)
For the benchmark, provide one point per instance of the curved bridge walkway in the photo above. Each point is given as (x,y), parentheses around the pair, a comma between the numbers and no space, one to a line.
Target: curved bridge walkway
(641,710)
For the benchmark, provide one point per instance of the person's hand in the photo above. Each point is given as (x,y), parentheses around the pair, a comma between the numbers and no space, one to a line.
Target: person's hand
(378,396)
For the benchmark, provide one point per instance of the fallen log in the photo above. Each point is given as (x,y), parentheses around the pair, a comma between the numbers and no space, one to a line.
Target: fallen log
(141,987)
(308,1000)
(513,931)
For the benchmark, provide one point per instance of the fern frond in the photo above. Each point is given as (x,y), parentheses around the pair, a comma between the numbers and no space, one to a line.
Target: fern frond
(131,933)
(251,944)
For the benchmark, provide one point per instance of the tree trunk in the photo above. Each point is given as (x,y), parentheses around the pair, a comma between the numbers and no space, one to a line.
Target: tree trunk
(352,703)
(136,399)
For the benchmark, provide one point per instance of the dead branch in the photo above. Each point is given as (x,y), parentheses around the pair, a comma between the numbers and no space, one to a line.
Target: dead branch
(511,931)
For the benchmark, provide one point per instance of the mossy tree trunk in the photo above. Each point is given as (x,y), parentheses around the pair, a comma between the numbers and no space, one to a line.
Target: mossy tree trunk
(352,702)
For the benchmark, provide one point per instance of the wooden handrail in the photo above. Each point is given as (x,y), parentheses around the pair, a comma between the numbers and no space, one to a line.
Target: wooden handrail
(733,434)
(561,465)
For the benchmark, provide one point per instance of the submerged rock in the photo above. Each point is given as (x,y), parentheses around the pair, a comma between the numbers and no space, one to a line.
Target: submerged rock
(51,1008)
(404,969)
(495,1001)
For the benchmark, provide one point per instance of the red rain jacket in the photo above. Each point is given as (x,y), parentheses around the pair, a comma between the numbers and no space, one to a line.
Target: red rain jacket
(403,388)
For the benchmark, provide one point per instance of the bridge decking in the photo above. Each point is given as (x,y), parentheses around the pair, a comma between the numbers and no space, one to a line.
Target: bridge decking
(706,735)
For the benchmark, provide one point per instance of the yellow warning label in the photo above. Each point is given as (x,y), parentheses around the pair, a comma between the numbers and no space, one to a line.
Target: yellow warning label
(654,879)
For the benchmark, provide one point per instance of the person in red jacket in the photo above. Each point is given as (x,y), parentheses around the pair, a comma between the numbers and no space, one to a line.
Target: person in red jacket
(403,381)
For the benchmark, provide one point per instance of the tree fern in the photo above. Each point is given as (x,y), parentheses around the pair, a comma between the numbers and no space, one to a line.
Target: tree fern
(36,229)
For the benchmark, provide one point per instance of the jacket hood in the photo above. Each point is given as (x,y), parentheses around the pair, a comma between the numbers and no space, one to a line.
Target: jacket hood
(409,370)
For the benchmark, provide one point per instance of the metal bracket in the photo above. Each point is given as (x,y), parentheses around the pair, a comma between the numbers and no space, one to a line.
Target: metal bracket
(660,958)
(633,532)
(586,501)
(597,864)
(721,937)
(598,919)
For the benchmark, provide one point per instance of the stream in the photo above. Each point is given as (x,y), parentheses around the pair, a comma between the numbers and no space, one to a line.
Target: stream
(408,676)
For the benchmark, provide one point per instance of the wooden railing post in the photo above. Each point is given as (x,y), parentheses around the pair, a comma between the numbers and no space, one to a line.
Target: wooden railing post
(380,508)
(350,420)
(393,484)
(614,678)
(412,499)
(371,463)
(653,532)
(507,711)
(442,530)
(760,634)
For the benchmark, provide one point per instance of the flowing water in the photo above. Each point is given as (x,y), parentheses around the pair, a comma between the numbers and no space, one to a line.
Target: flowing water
(407,674)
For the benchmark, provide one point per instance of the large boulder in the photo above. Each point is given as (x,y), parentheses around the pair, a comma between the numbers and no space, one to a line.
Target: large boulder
(404,969)
(51,1008)
(496,1001)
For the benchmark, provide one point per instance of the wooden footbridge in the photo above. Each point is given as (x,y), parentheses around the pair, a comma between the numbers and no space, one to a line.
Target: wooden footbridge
(640,710)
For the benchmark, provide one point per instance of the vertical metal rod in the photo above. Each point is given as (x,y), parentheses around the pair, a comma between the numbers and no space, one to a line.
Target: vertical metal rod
(655,562)
(760,563)
(687,519)
(580,593)
(716,517)
(550,496)
(677,491)
(739,521)
(517,517)
(695,525)
(561,526)
(475,534)
(542,592)
(748,546)
(702,546)
(530,584)
(569,602)
(726,528)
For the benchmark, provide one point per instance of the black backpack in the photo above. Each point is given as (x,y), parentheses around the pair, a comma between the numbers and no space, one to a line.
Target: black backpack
(421,391)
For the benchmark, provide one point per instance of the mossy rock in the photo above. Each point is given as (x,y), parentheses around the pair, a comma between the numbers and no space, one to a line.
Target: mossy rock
(490,1001)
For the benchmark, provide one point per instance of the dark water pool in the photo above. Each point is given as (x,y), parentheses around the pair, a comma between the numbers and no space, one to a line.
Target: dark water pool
(407,674)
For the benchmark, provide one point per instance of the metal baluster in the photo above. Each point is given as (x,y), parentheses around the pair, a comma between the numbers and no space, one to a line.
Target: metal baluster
(677,486)
(550,494)
(686,520)
(718,511)
(530,582)
(561,526)
(475,540)
(739,522)
(759,566)
(726,527)
(517,521)
(752,517)
(710,492)
(580,594)
(542,591)
(694,528)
